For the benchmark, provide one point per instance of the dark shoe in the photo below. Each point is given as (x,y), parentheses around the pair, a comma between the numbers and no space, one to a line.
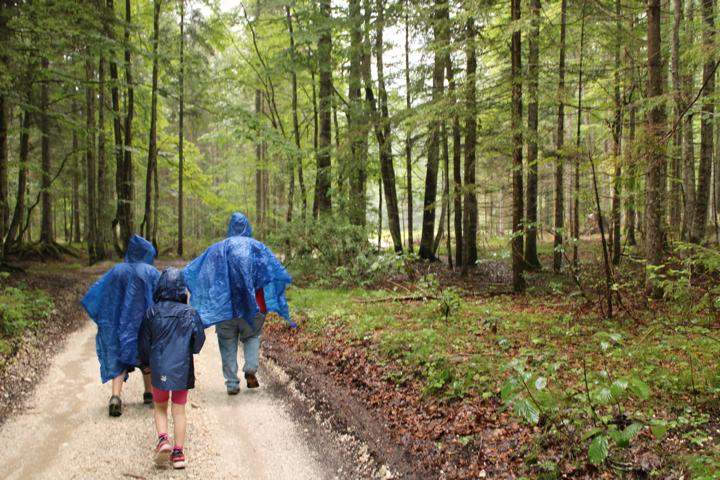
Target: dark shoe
(233,390)
(115,407)
(252,381)
(178,459)
(147,398)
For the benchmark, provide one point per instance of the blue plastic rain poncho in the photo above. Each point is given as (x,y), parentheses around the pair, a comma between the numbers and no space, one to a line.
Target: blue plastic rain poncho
(117,303)
(170,334)
(224,279)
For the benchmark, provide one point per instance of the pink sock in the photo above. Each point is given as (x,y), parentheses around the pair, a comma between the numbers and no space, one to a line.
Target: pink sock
(162,435)
(178,447)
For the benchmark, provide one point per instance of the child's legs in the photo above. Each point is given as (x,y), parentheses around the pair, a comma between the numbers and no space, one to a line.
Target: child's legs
(227,334)
(161,421)
(251,350)
(146,382)
(117,384)
(179,399)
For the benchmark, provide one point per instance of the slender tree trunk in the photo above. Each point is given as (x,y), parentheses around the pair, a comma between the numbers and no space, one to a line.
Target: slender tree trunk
(457,169)
(383,133)
(560,155)
(117,136)
(617,149)
(516,125)
(576,184)
(4,207)
(357,118)
(91,182)
(408,135)
(688,151)
(181,135)
(152,140)
(655,182)
(676,159)
(433,155)
(702,202)
(445,193)
(470,207)
(14,236)
(46,220)
(104,187)
(324,174)
(531,256)
(75,230)
(259,180)
(128,189)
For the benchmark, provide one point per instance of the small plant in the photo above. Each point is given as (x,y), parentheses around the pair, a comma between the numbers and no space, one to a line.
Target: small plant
(449,302)
(21,308)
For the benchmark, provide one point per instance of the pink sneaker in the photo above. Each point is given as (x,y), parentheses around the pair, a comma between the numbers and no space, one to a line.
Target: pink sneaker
(178,459)
(162,451)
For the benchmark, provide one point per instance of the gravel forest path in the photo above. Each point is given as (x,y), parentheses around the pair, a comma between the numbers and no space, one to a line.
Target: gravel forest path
(64,430)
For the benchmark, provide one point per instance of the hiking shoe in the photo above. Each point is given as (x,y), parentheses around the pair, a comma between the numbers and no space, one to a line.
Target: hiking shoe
(147,398)
(162,451)
(178,459)
(252,381)
(115,407)
(233,390)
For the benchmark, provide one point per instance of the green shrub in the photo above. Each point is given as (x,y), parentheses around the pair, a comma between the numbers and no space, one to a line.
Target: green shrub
(22,308)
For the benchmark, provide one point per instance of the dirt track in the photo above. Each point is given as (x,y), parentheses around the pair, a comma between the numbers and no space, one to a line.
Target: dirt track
(65,431)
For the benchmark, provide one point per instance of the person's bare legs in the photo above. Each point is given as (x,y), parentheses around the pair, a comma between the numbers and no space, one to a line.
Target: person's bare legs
(117,384)
(180,423)
(161,421)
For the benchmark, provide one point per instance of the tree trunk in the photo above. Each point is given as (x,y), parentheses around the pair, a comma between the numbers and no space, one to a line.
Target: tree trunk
(181,135)
(470,208)
(408,135)
(118,138)
(104,187)
(675,176)
(558,247)
(516,125)
(433,155)
(13,236)
(324,174)
(617,148)
(383,133)
(126,200)
(357,120)
(531,256)
(91,182)
(655,182)
(75,220)
(688,151)
(152,140)
(702,201)
(576,183)
(46,220)
(457,169)
(4,208)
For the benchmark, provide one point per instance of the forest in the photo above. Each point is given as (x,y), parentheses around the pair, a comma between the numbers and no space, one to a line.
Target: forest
(501,217)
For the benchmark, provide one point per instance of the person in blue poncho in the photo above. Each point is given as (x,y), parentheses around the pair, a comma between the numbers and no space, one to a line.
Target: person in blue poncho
(117,304)
(233,284)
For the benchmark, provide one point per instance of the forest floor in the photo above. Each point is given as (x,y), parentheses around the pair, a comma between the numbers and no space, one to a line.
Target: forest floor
(378,382)
(55,424)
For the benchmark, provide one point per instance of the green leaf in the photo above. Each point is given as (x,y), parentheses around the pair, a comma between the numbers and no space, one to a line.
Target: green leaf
(629,433)
(599,449)
(527,410)
(640,388)
(508,390)
(659,430)
(618,388)
(540,383)
(591,433)
(603,396)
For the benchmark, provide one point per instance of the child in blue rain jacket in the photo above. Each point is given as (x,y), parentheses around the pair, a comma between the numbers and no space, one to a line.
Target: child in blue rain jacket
(117,303)
(170,334)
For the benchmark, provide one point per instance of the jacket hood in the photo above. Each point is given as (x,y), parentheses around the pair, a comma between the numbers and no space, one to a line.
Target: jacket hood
(239,226)
(139,250)
(171,286)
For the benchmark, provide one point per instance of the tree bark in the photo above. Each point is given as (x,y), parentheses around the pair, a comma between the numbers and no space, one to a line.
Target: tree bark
(702,201)
(617,149)
(457,168)
(357,120)
(126,200)
(13,236)
(576,183)
(655,182)
(516,125)
(91,182)
(470,206)
(152,140)
(531,256)
(181,135)
(104,186)
(408,134)
(676,158)
(558,246)
(433,155)
(46,219)
(688,151)
(324,174)
(4,207)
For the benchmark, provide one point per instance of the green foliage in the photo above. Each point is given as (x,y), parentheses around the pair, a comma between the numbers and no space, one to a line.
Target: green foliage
(22,309)
(449,302)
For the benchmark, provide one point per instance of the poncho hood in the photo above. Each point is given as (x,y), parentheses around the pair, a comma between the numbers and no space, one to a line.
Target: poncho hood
(239,226)
(171,286)
(139,250)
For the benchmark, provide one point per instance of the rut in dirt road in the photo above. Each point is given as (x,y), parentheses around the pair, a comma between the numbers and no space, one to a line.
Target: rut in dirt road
(66,432)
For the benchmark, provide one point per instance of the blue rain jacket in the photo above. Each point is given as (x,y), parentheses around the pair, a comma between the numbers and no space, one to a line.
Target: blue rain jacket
(170,334)
(117,303)
(223,280)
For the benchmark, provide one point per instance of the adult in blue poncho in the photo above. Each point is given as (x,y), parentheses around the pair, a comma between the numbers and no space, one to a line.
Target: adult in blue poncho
(233,284)
(117,304)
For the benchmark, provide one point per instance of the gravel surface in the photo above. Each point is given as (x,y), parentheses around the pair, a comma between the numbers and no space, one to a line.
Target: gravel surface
(65,431)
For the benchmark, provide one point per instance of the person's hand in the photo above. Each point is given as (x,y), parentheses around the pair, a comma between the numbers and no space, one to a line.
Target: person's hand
(187,296)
